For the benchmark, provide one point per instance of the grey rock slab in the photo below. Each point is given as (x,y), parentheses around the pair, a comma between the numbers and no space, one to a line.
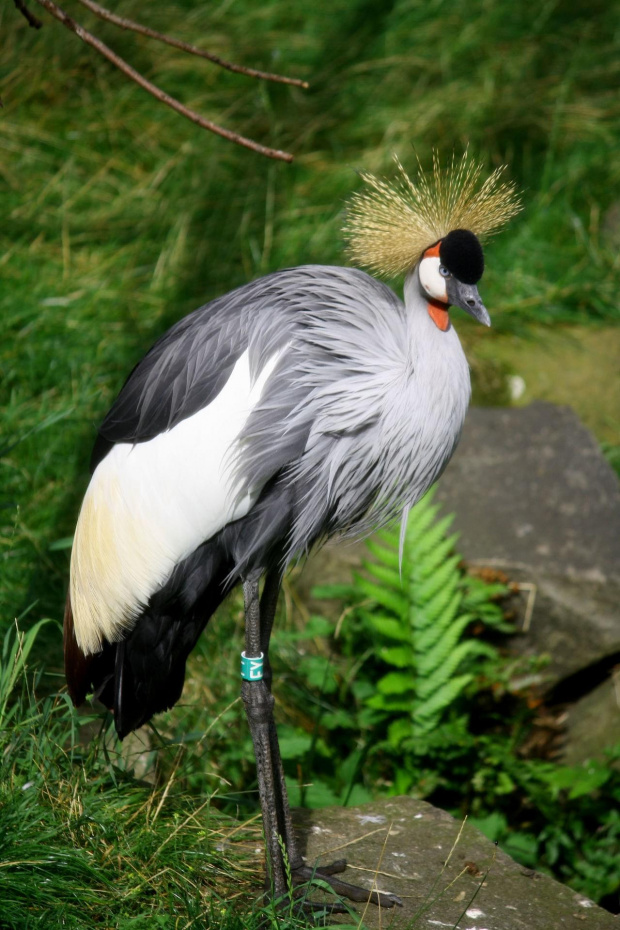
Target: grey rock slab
(593,723)
(534,496)
(529,485)
(574,623)
(443,874)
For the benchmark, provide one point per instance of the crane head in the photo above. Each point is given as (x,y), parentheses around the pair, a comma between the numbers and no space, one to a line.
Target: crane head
(392,225)
(449,271)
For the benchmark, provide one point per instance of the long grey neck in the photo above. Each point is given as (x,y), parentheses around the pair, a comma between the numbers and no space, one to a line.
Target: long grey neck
(412,291)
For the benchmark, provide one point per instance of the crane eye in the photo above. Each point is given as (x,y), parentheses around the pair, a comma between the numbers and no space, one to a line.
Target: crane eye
(443,271)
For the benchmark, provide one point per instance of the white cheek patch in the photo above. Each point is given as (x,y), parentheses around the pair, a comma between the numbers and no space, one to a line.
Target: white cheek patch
(433,283)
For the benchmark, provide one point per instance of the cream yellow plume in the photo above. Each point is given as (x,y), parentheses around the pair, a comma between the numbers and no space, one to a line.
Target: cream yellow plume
(388,227)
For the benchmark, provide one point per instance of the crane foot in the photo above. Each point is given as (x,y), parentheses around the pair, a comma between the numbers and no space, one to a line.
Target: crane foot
(306,873)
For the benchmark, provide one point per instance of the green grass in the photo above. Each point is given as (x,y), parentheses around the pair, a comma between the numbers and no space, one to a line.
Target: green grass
(80,843)
(83,840)
(118,216)
(95,834)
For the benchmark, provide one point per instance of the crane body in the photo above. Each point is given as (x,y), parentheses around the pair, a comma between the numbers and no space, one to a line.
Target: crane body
(309,403)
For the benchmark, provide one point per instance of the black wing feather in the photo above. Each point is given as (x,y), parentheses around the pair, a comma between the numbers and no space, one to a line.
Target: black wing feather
(189,365)
(180,375)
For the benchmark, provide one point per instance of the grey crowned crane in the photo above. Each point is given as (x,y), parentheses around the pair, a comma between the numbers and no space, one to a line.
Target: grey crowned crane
(308,403)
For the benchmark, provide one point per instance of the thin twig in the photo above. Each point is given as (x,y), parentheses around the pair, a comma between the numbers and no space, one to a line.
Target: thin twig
(358,839)
(30,17)
(532,591)
(157,92)
(375,887)
(101,11)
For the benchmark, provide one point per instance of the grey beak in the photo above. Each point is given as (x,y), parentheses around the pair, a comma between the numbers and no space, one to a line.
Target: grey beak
(466,297)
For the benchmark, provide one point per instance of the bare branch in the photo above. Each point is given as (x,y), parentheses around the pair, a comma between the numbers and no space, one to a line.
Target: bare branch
(157,92)
(31,19)
(101,11)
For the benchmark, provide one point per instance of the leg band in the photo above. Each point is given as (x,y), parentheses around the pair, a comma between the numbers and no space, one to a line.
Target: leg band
(252,667)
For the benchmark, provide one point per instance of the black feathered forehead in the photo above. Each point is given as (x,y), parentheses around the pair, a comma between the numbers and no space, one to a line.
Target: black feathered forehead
(461,253)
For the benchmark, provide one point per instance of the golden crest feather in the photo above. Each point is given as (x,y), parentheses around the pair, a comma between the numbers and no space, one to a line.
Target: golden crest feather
(388,227)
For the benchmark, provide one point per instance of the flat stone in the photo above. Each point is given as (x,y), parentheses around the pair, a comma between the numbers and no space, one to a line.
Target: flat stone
(534,496)
(593,723)
(529,486)
(575,624)
(443,873)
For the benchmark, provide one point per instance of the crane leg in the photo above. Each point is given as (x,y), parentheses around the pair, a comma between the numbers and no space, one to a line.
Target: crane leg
(280,839)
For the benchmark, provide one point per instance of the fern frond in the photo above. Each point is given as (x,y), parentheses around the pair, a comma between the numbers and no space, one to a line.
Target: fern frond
(395,683)
(385,555)
(385,574)
(485,649)
(436,556)
(441,610)
(421,518)
(395,603)
(399,656)
(433,535)
(440,664)
(389,703)
(428,632)
(390,627)
(421,621)
(427,712)
(434,607)
(478,592)
(442,575)
(399,730)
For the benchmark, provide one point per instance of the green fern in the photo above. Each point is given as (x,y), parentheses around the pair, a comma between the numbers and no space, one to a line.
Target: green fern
(419,612)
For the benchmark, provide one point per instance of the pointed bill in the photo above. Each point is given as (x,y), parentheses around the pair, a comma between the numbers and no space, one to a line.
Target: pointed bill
(466,297)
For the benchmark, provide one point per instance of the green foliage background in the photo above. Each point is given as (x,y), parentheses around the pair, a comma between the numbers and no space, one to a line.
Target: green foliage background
(118,217)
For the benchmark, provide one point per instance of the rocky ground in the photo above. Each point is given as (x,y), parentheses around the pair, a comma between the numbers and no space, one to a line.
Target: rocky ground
(442,871)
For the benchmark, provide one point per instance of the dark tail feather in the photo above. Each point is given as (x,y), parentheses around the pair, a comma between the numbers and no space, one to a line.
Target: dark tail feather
(149,666)
(77,665)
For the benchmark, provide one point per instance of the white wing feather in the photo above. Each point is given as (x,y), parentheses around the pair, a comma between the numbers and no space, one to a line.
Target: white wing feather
(149,505)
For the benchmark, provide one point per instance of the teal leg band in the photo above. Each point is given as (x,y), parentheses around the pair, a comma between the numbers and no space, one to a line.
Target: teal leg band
(251,668)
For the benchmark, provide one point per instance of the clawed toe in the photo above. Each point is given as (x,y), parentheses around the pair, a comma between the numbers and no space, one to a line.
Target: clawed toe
(304,873)
(333,868)
(385,899)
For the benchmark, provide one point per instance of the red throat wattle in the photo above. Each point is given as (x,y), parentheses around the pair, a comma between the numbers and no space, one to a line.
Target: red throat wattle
(438,313)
